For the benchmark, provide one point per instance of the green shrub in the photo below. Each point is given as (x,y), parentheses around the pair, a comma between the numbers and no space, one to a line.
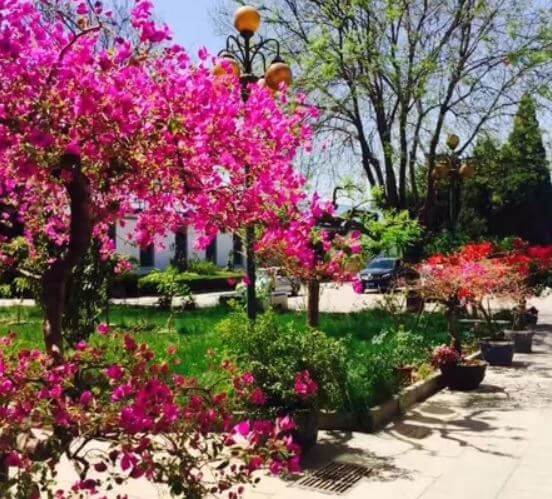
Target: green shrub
(222,281)
(169,285)
(405,347)
(275,353)
(5,291)
(371,378)
(203,267)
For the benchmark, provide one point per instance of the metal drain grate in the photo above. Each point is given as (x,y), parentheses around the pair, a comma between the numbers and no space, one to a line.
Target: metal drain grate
(336,478)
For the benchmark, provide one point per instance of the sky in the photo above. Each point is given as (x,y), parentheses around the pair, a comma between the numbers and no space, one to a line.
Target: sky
(191,23)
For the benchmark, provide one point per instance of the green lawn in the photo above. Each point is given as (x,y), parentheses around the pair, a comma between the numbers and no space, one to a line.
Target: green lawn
(193,332)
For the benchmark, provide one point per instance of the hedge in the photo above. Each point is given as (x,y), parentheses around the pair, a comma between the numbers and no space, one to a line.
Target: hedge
(134,285)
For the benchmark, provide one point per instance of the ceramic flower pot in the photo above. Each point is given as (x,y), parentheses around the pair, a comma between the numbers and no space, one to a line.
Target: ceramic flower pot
(523,340)
(464,377)
(497,352)
(306,433)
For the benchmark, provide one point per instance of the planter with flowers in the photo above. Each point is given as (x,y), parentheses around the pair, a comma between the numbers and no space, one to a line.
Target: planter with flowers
(470,277)
(534,264)
(295,374)
(459,373)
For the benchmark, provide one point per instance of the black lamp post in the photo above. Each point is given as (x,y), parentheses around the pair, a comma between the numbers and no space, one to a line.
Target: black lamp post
(457,169)
(242,54)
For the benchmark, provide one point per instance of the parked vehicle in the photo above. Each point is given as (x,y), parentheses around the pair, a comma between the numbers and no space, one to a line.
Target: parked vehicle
(384,274)
(282,284)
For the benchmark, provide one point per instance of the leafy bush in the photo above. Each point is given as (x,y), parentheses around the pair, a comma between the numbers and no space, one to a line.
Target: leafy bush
(446,242)
(168,286)
(5,291)
(371,378)
(203,267)
(277,353)
(148,284)
(405,347)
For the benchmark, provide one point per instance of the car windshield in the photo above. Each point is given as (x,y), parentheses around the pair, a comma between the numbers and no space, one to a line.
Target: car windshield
(383,263)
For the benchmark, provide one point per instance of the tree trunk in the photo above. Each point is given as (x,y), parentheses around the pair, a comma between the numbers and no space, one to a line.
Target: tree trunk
(4,473)
(251,273)
(54,280)
(313,305)
(453,331)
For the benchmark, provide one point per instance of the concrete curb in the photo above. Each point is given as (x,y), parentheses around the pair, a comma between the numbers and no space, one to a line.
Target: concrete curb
(376,418)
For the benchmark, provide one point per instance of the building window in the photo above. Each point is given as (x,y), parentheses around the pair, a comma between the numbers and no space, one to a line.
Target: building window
(147,256)
(237,251)
(211,251)
(181,250)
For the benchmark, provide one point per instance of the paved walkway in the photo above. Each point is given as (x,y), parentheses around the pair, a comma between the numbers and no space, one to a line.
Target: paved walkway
(494,443)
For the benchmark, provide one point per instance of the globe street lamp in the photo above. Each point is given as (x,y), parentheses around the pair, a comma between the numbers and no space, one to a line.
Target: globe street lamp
(241,55)
(457,169)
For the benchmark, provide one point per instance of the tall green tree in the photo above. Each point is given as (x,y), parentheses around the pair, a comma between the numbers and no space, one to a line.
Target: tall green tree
(393,77)
(511,195)
(522,189)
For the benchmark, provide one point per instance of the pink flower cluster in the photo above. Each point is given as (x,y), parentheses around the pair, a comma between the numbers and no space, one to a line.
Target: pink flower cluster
(305,387)
(159,425)
(445,356)
(300,245)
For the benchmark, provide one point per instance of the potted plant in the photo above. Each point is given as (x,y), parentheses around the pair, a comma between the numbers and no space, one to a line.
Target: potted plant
(455,281)
(458,372)
(474,275)
(532,264)
(298,374)
(496,347)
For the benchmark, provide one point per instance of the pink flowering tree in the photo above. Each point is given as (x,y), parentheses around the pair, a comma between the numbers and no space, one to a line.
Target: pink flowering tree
(86,133)
(308,244)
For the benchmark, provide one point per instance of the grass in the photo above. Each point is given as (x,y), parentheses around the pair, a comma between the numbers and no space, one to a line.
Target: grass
(193,332)
(370,370)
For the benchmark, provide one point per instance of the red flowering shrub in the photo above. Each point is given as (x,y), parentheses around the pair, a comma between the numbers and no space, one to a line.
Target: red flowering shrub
(480,271)
(156,424)
(469,276)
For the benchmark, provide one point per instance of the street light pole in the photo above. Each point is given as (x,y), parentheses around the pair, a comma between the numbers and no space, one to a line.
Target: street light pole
(241,53)
(457,169)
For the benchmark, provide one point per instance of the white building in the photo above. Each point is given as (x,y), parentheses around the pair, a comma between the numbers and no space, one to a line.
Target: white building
(225,249)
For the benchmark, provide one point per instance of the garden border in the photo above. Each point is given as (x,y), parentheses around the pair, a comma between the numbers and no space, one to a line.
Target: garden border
(377,417)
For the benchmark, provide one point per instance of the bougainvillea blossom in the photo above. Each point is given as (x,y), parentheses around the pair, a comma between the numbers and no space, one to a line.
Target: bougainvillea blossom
(90,135)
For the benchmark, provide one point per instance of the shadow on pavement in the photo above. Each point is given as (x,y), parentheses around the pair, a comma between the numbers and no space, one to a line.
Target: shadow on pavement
(337,446)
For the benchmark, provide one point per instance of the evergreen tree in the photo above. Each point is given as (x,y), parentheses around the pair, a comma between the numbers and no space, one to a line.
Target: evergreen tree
(522,189)
(511,194)
(478,198)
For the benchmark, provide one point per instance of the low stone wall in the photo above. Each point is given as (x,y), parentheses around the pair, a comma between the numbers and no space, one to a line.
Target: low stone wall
(376,418)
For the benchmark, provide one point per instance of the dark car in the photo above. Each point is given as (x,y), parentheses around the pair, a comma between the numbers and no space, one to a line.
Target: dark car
(384,274)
